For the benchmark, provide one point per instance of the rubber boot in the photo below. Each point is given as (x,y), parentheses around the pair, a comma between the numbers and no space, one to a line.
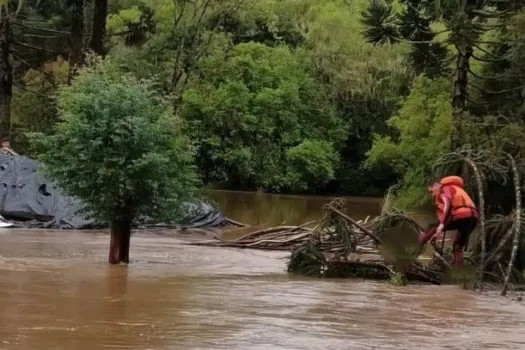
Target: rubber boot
(458,256)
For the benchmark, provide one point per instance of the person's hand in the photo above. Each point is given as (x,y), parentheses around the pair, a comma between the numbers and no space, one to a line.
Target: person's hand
(440,229)
(439,232)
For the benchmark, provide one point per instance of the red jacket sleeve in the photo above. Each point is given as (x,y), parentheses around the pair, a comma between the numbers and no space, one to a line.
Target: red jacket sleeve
(446,196)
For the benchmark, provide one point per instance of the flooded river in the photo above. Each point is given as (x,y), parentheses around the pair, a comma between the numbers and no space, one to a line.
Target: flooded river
(57,292)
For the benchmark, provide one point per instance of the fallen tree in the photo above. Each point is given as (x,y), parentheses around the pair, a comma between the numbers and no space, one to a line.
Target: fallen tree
(338,245)
(385,246)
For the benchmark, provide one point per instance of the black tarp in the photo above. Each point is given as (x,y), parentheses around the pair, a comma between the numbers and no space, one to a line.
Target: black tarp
(30,200)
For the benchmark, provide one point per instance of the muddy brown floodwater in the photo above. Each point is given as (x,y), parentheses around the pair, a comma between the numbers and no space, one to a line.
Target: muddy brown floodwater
(57,292)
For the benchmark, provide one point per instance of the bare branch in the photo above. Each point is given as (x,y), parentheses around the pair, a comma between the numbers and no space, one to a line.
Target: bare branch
(32,91)
(413,42)
(499,91)
(477,58)
(27,64)
(495,14)
(489,42)
(484,77)
(40,36)
(22,24)
(477,103)
(39,48)
(517,224)
(119,33)
(488,52)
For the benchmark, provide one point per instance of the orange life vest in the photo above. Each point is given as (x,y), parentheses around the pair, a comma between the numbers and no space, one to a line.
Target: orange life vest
(462,205)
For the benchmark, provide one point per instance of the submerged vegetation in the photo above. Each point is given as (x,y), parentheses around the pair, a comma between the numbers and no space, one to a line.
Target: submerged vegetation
(118,147)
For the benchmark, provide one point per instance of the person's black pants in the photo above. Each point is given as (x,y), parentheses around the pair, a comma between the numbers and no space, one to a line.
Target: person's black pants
(464,228)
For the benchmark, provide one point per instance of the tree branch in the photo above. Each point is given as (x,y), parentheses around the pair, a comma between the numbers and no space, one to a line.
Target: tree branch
(413,42)
(41,28)
(490,60)
(496,14)
(29,65)
(517,224)
(482,77)
(499,91)
(32,91)
(489,53)
(39,48)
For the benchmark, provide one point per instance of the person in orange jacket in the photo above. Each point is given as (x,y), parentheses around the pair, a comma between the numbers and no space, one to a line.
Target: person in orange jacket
(455,210)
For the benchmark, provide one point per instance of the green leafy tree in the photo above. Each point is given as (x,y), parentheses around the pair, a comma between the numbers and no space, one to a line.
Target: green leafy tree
(246,110)
(312,164)
(360,83)
(424,127)
(118,147)
(366,83)
(466,26)
(501,91)
(34,104)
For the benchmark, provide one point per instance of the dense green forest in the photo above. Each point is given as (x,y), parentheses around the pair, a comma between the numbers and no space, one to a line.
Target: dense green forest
(303,96)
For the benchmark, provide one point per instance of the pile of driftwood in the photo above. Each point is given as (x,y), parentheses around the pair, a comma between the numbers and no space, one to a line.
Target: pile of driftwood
(273,238)
(338,245)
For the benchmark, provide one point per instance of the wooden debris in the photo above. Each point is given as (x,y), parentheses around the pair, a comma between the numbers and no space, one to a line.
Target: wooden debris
(340,245)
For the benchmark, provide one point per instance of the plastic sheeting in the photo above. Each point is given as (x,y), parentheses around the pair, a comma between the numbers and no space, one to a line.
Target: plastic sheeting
(30,200)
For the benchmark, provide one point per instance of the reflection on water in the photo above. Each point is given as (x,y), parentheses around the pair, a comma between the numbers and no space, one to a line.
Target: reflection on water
(259,209)
(57,292)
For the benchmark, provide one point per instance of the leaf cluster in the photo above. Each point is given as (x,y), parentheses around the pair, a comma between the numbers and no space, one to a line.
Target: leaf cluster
(117,145)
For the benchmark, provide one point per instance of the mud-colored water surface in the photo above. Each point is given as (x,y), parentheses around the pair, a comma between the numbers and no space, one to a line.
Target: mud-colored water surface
(259,209)
(57,292)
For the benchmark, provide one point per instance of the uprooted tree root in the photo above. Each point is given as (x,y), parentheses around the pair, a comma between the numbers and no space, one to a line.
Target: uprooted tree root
(341,246)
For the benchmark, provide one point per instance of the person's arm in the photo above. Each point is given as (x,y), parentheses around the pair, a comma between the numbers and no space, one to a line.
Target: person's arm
(11,151)
(446,212)
(448,207)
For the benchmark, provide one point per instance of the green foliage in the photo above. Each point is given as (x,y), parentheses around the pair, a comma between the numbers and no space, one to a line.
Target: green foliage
(505,72)
(394,22)
(117,145)
(424,123)
(290,96)
(365,82)
(136,22)
(398,279)
(353,67)
(247,110)
(119,22)
(311,164)
(353,82)
(33,106)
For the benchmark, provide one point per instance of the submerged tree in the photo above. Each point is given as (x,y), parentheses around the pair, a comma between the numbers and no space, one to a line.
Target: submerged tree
(118,148)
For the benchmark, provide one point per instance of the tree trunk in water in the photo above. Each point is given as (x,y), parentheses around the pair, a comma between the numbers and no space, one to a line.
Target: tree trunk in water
(460,98)
(120,236)
(99,27)
(77,32)
(6,76)
(517,224)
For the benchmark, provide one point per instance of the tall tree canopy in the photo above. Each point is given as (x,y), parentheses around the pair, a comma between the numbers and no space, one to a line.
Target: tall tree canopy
(296,96)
